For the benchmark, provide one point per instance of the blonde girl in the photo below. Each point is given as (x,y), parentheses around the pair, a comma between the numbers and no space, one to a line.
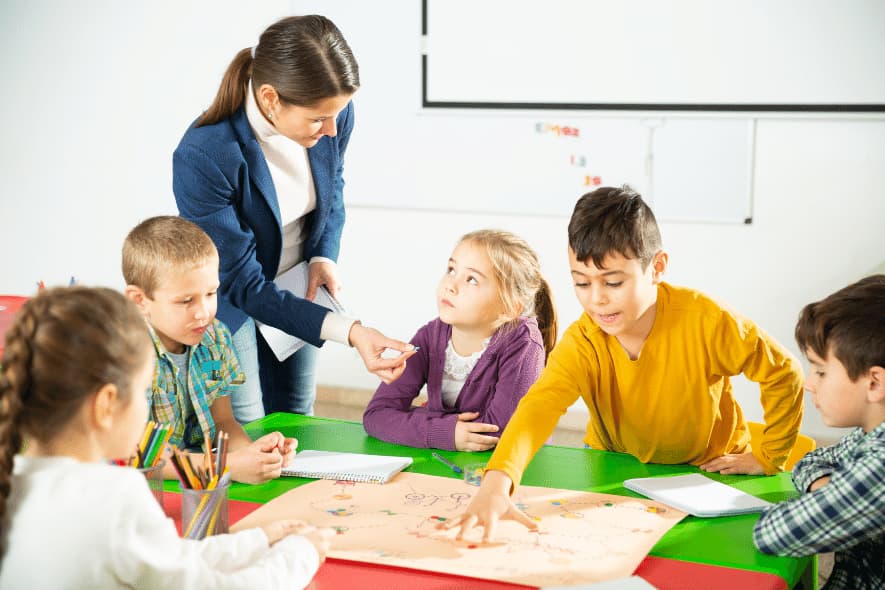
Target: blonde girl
(75,367)
(495,327)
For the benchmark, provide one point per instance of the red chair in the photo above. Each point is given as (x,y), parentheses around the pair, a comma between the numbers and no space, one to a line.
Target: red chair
(9,304)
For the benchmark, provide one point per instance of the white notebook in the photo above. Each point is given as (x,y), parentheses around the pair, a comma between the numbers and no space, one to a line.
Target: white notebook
(697,495)
(295,280)
(346,466)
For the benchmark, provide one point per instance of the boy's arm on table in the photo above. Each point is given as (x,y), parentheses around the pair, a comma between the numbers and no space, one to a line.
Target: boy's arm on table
(845,511)
(563,380)
(749,351)
(820,463)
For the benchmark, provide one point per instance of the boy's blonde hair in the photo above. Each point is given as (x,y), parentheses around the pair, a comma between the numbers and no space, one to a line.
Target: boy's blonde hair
(518,273)
(159,244)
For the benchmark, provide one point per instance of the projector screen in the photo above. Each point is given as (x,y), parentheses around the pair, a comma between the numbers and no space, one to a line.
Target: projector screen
(727,55)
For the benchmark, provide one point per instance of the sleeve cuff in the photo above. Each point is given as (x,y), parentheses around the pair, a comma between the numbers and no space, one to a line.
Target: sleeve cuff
(336,328)
(767,466)
(322,259)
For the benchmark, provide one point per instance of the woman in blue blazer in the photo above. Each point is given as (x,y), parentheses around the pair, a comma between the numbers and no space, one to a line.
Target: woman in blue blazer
(261,172)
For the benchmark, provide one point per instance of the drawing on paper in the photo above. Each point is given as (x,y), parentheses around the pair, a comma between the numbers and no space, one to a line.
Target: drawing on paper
(582,537)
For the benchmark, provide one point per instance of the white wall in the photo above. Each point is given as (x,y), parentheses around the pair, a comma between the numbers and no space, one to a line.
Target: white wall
(98,93)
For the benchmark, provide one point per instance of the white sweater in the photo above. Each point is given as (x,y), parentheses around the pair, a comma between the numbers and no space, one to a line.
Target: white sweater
(89,525)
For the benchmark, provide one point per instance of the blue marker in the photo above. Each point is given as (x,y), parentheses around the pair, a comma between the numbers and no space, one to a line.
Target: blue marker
(447,463)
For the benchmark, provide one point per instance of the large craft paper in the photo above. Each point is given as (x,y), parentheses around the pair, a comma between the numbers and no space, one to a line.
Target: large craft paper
(583,537)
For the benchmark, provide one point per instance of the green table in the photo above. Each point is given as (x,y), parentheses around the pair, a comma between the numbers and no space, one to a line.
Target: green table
(724,541)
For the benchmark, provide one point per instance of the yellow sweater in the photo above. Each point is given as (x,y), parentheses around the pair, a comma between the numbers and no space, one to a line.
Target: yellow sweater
(674,404)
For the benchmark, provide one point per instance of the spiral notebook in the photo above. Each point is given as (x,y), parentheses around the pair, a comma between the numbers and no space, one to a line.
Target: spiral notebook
(696,494)
(346,466)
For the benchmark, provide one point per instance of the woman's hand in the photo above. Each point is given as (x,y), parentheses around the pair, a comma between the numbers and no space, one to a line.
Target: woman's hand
(371,343)
(322,273)
(491,504)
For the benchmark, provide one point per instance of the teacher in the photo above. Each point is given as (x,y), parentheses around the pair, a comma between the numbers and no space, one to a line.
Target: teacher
(261,172)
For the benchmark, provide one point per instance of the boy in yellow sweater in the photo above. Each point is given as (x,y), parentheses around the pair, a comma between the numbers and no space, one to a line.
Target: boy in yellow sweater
(652,363)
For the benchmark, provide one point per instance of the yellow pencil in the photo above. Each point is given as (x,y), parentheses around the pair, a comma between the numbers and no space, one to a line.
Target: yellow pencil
(197,513)
(144,438)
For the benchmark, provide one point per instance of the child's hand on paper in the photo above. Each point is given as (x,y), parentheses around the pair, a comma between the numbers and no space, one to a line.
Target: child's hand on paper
(258,462)
(321,538)
(281,529)
(491,504)
(468,435)
(733,464)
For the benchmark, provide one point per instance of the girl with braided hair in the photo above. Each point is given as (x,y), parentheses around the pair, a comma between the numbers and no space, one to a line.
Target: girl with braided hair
(75,367)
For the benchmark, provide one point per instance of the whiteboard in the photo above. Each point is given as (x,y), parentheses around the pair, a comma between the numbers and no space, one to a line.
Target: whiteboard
(702,170)
(541,163)
(783,55)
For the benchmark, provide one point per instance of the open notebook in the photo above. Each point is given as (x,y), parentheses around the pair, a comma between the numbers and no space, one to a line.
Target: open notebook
(346,466)
(697,495)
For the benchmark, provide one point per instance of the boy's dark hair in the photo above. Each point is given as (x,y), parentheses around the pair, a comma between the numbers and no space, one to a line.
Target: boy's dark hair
(610,220)
(850,324)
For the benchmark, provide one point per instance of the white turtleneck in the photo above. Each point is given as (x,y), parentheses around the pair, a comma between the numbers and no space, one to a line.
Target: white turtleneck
(290,171)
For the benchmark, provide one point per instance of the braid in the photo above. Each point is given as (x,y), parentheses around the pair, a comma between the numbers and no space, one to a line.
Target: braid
(15,382)
(63,345)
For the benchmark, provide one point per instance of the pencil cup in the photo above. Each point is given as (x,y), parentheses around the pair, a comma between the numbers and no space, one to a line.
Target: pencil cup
(204,512)
(154,477)
(473,473)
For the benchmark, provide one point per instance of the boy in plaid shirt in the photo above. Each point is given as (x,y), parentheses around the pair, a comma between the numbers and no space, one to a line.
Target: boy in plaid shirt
(842,506)
(171,271)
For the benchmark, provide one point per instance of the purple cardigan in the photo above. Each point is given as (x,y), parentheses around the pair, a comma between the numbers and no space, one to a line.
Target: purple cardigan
(505,371)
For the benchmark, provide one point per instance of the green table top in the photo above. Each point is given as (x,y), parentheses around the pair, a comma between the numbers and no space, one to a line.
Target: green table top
(725,541)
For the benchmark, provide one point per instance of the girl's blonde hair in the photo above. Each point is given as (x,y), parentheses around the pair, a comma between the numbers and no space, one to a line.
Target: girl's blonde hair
(524,291)
(64,345)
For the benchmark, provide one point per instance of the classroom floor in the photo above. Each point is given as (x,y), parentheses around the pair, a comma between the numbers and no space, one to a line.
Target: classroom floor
(348,404)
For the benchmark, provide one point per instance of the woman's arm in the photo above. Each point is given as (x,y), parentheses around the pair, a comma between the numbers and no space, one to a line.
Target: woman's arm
(206,196)
(390,416)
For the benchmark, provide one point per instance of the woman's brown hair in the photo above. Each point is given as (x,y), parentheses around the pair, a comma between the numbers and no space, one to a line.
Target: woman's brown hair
(305,58)
(63,346)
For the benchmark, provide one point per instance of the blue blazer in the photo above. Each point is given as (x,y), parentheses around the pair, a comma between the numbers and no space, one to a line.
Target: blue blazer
(222,183)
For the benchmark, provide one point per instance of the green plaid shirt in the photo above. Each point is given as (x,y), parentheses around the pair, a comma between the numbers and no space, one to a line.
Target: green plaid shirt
(213,371)
(847,515)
